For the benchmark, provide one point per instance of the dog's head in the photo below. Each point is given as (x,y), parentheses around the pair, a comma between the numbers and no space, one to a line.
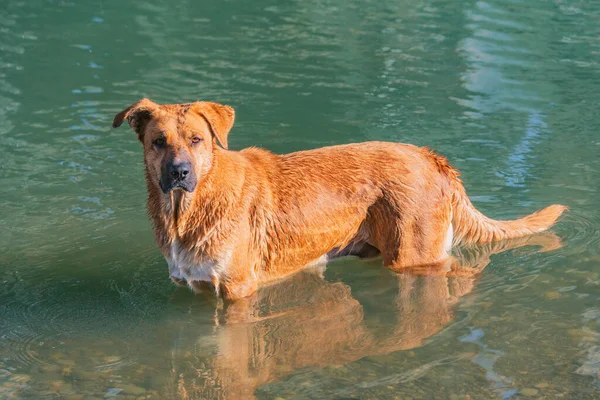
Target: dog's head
(179,139)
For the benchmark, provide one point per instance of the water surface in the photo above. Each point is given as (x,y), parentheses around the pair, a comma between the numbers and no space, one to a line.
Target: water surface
(507,90)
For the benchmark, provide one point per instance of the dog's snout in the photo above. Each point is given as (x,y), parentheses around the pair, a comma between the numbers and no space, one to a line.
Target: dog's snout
(177,172)
(180,171)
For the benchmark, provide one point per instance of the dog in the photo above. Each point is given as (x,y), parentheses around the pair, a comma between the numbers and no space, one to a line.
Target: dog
(237,220)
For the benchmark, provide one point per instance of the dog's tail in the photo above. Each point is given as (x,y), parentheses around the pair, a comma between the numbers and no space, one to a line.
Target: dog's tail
(472,227)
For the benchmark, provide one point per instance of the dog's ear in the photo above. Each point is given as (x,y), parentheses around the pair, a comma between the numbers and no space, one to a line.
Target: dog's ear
(219,117)
(138,115)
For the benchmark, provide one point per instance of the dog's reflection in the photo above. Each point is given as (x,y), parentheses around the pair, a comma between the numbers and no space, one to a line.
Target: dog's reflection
(307,321)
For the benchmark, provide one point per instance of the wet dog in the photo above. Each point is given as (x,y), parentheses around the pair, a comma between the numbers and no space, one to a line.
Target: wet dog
(239,219)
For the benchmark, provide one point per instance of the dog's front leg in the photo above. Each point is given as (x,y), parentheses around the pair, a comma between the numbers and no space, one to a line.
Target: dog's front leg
(234,290)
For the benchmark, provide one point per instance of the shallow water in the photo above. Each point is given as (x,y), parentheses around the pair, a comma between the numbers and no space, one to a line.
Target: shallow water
(507,90)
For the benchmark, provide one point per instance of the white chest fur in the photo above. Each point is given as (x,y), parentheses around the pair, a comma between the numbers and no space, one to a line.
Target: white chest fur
(183,265)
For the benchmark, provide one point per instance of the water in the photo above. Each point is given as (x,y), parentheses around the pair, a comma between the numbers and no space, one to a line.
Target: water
(507,90)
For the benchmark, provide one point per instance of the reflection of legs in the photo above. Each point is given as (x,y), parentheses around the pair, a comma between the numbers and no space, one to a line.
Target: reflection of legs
(427,294)
(305,290)
(303,321)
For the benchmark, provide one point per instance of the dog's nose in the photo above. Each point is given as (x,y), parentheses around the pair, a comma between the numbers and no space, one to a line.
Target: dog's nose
(180,171)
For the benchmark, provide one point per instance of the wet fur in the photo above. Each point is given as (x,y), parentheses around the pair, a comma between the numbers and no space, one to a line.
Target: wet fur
(255,216)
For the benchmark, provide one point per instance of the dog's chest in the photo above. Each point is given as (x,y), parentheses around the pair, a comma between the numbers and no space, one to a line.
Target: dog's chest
(184,265)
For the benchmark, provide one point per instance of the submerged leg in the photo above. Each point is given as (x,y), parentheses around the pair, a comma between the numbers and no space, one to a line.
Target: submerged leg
(470,261)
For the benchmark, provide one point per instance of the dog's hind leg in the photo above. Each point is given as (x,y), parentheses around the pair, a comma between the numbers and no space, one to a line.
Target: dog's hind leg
(408,237)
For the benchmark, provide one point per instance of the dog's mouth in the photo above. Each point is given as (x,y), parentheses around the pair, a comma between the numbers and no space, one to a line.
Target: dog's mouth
(185,185)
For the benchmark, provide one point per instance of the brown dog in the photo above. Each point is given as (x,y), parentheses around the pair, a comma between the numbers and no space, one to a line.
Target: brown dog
(241,219)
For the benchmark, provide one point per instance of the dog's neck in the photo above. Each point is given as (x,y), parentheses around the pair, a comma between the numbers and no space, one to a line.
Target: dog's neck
(193,217)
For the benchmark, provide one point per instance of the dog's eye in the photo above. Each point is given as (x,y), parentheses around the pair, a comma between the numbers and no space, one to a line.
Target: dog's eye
(196,140)
(160,142)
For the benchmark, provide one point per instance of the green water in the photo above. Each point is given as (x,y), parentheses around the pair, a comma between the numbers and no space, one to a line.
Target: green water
(509,91)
